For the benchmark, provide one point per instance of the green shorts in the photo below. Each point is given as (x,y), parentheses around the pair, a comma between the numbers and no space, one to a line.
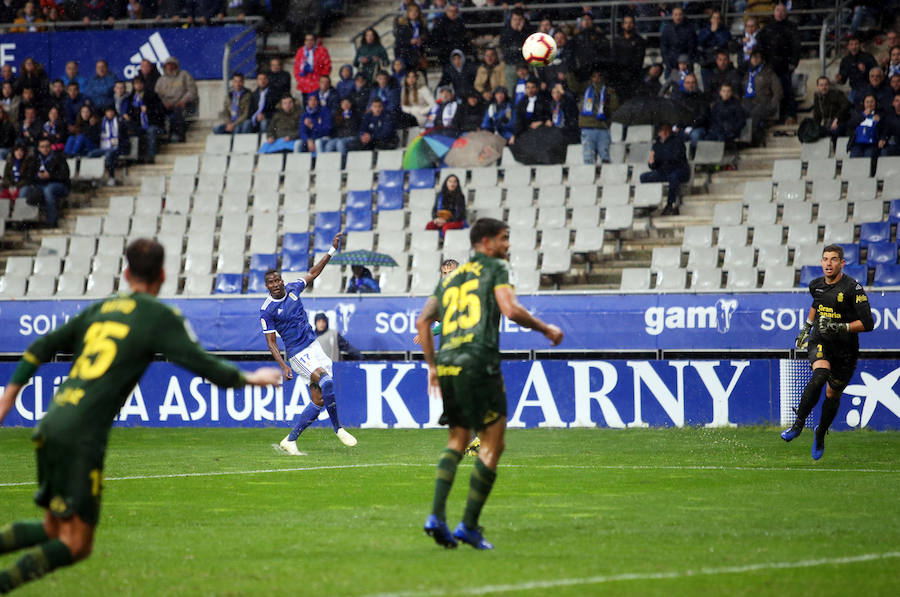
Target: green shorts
(472,389)
(70,477)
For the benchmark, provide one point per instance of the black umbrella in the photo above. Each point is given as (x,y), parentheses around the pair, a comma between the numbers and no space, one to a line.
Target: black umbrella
(652,110)
(543,145)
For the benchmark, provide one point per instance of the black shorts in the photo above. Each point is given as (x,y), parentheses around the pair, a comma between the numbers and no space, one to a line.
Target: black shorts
(472,389)
(70,477)
(841,360)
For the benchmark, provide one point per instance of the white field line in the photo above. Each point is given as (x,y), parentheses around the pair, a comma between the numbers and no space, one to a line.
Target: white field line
(673,575)
(636,467)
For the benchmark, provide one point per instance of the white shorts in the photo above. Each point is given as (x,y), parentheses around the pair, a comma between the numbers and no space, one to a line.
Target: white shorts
(308,360)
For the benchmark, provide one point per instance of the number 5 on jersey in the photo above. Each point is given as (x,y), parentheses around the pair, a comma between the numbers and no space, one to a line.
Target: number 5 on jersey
(99,349)
(468,306)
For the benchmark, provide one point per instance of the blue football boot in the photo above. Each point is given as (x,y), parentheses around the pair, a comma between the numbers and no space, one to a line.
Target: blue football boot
(471,536)
(818,447)
(439,531)
(790,433)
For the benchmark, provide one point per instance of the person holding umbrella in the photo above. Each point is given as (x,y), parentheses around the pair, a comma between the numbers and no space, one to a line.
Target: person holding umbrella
(668,163)
(362,281)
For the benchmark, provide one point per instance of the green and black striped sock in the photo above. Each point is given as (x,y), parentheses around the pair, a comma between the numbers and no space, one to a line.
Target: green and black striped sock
(446,471)
(17,535)
(480,484)
(35,563)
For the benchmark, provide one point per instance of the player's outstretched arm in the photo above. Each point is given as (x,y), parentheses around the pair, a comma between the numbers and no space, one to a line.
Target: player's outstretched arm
(272,343)
(315,270)
(428,316)
(511,307)
(8,399)
(264,376)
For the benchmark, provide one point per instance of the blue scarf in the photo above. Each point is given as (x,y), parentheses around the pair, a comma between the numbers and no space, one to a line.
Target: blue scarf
(17,169)
(235,105)
(893,69)
(308,60)
(587,104)
(520,91)
(137,102)
(262,102)
(557,115)
(681,74)
(750,91)
(50,128)
(415,28)
(866,133)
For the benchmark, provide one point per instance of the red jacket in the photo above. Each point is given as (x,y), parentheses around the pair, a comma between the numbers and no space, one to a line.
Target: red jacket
(307,83)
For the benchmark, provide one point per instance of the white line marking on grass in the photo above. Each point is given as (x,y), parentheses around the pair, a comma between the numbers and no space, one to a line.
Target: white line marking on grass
(596,580)
(635,467)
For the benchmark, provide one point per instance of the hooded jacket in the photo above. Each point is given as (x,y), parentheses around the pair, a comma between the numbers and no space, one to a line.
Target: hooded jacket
(177,87)
(461,79)
(308,79)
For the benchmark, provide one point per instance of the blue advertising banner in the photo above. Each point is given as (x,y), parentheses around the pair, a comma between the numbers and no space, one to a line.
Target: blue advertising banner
(615,394)
(199,49)
(609,322)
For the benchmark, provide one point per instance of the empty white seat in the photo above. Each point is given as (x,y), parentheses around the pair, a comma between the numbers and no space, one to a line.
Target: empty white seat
(868,211)
(778,277)
(588,239)
(516,176)
(856,168)
(703,257)
(839,233)
(424,240)
(772,256)
(393,280)
(706,278)
(116,224)
(186,164)
(759,214)
(757,191)
(392,243)
(270,163)
(826,190)
(108,263)
(70,284)
(121,204)
(648,194)
(171,243)
(810,254)
(328,180)
(585,215)
(548,175)
(296,180)
(816,150)
(552,217)
(485,198)
(738,257)
(732,236)
(554,238)
(392,219)
(742,278)
(212,183)
(526,281)
(639,133)
(391,159)
(214,164)
(833,213)
(206,203)
(241,164)
(22,212)
(153,185)
(581,174)
(265,202)
(522,217)
(90,169)
(727,214)
(802,234)
(237,183)
(177,204)
(786,170)
(891,188)
(613,174)
(556,261)
(583,195)
(484,177)
(202,242)
(13,285)
(53,245)
(19,265)
(328,200)
(635,278)
(551,196)
(41,285)
(517,197)
(296,201)
(359,160)
(227,262)
(671,278)
(709,152)
(424,281)
(615,194)
(796,213)
(456,241)
(618,217)
(665,257)
(173,223)
(520,261)
(790,191)
(99,285)
(328,162)
(234,203)
(218,144)
(768,234)
(696,236)
(419,217)
(75,264)
(198,284)
(359,180)
(245,143)
(87,225)
(821,169)
(522,240)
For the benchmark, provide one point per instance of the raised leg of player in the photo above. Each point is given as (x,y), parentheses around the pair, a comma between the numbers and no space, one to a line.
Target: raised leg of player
(18,535)
(326,384)
(829,411)
(484,474)
(65,542)
(812,393)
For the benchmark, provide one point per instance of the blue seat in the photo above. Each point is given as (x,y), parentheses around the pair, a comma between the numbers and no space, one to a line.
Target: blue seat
(894,214)
(883,252)
(851,253)
(860,273)
(295,260)
(887,275)
(359,199)
(359,218)
(295,241)
(229,284)
(421,179)
(328,223)
(263,262)
(390,179)
(808,273)
(874,232)
(256,282)
(390,198)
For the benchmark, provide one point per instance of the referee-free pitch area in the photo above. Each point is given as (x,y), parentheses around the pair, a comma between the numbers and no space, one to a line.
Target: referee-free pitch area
(573,512)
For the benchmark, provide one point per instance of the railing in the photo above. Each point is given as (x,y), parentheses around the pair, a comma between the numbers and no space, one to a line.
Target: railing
(128,24)
(230,49)
(835,23)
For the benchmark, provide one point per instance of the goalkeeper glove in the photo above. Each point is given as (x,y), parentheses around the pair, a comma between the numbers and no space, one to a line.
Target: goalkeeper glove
(827,327)
(802,341)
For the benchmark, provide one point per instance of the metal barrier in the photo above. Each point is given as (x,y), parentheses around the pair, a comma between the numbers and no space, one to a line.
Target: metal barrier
(127,24)
(230,49)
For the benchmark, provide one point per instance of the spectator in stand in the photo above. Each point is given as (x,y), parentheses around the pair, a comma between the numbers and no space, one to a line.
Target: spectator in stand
(854,69)
(780,44)
(723,72)
(72,75)
(628,53)
(360,93)
(174,10)
(676,39)
(491,74)
(522,76)
(73,103)
(284,129)
(328,96)
(30,128)
(589,47)
(598,103)
(449,33)
(675,80)
(7,135)
(883,54)
(135,10)
(178,92)
(333,344)
(149,73)
(727,117)
(458,74)
(867,135)
(711,40)
(416,101)
(32,75)
(146,117)
(376,130)
(558,70)
(113,142)
(698,105)
(878,87)
(668,163)
(564,113)
(360,282)
(84,134)
(207,11)
(311,62)
(57,95)
(8,10)
(892,66)
(99,88)
(47,179)
(315,126)
(236,108)
(345,127)
(830,109)
(96,11)
(410,35)
(13,173)
(533,111)
(29,101)
(8,76)
(279,79)
(262,104)
(470,113)
(388,92)
(446,109)
(54,129)
(10,102)
(511,39)
(449,210)
(398,72)
(371,56)
(891,129)
(761,94)
(499,116)
(120,98)
(436,9)
(29,18)
(345,83)
(749,42)
(895,83)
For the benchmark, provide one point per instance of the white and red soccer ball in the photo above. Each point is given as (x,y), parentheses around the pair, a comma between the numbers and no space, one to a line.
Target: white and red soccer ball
(539,49)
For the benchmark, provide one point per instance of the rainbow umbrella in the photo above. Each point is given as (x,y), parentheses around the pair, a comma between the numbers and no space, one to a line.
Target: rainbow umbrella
(426,150)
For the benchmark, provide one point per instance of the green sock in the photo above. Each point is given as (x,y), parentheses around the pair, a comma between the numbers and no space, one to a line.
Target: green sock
(17,535)
(35,563)
(446,470)
(480,484)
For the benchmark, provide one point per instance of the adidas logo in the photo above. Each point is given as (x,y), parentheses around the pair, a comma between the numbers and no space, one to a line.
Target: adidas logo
(154,50)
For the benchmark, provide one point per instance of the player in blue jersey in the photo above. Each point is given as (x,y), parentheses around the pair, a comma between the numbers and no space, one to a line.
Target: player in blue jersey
(283,313)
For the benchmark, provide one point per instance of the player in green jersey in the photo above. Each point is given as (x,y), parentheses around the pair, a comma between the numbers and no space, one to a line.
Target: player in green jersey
(466,371)
(113,342)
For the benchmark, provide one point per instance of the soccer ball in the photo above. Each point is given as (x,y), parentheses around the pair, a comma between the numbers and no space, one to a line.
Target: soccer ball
(539,49)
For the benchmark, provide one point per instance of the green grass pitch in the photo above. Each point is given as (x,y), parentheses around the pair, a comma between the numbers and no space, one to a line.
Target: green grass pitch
(574,512)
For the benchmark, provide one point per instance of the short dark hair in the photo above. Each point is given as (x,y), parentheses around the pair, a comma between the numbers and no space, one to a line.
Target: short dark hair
(832,248)
(269,272)
(237,75)
(54,81)
(448,262)
(486,227)
(822,77)
(145,259)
